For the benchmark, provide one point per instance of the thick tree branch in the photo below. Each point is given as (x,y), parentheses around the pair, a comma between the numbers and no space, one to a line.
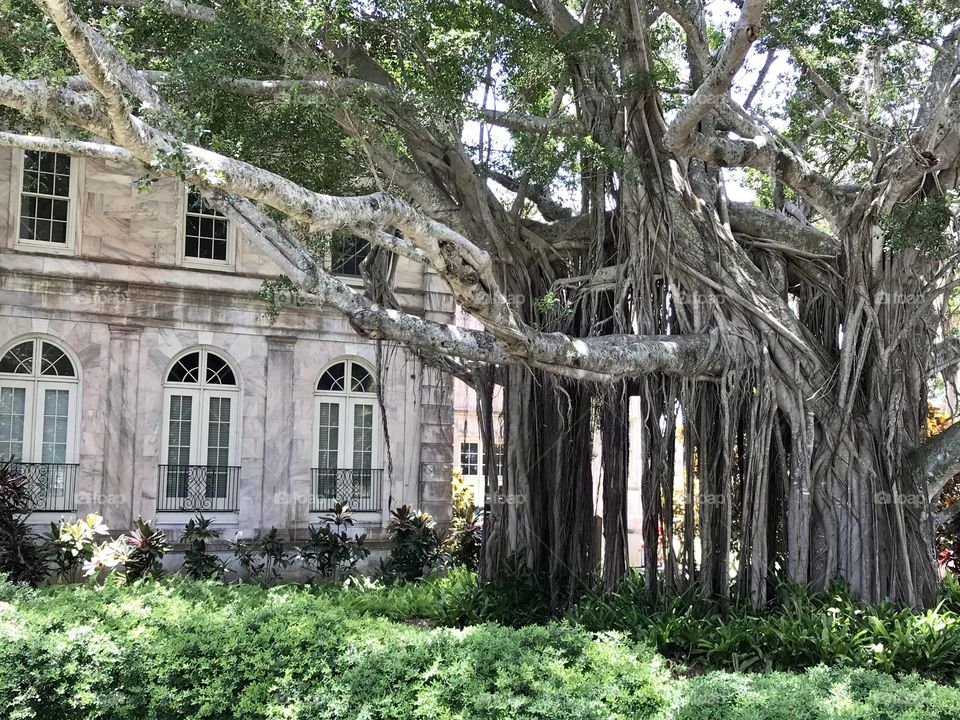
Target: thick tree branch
(763,154)
(174,8)
(938,460)
(699,48)
(34,97)
(595,358)
(548,207)
(788,235)
(717,84)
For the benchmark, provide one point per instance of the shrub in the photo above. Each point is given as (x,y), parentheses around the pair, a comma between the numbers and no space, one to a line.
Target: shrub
(145,547)
(515,596)
(464,542)
(261,560)
(799,629)
(178,648)
(415,545)
(22,558)
(197,562)
(332,552)
(185,649)
(137,552)
(819,694)
(73,544)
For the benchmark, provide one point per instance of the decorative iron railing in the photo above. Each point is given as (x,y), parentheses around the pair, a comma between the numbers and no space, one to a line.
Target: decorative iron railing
(52,487)
(197,488)
(359,489)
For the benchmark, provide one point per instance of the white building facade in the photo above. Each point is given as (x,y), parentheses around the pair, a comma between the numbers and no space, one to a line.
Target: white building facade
(141,376)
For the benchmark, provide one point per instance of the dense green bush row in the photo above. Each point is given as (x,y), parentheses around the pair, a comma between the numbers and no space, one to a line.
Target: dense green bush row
(176,648)
(799,630)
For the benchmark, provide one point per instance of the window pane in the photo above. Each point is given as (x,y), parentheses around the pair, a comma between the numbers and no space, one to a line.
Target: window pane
(28,206)
(18,360)
(186,369)
(218,371)
(346,255)
(12,411)
(53,361)
(333,378)
(47,162)
(58,233)
(28,228)
(42,231)
(45,184)
(329,429)
(56,409)
(61,185)
(218,447)
(178,438)
(469,455)
(360,379)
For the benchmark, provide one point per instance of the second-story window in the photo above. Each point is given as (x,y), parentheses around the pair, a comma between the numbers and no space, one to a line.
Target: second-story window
(346,254)
(45,194)
(205,238)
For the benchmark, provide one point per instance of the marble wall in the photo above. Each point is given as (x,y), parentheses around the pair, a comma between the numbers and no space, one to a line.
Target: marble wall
(125,306)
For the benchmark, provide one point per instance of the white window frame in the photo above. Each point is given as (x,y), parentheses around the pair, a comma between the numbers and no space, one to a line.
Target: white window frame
(71,247)
(351,280)
(478,462)
(35,386)
(202,393)
(347,400)
(229,265)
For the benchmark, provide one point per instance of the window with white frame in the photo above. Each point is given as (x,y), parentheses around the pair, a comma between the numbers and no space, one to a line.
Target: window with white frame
(346,254)
(348,437)
(470,458)
(206,237)
(38,418)
(46,188)
(201,433)
(38,403)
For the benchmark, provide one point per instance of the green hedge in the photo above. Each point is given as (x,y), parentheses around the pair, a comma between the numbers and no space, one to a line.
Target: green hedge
(820,693)
(181,649)
(799,630)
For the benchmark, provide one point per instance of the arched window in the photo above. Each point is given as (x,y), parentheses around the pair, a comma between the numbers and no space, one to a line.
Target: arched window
(348,438)
(38,419)
(201,431)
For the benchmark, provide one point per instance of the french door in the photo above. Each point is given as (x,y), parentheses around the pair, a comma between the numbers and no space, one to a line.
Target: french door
(200,441)
(348,445)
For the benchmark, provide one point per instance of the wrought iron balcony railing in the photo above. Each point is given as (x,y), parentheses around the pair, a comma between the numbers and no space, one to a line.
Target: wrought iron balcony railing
(360,489)
(52,487)
(197,488)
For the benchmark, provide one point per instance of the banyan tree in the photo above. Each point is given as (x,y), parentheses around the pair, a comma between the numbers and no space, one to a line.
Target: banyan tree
(742,214)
